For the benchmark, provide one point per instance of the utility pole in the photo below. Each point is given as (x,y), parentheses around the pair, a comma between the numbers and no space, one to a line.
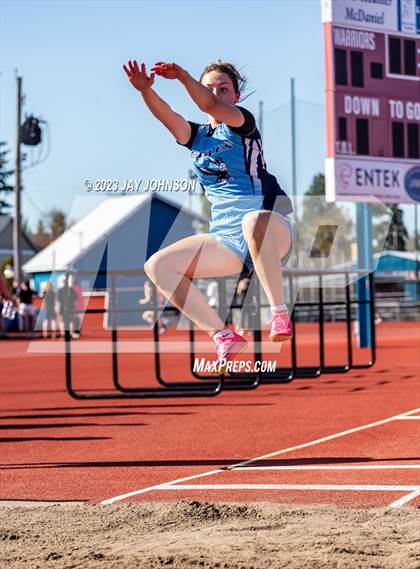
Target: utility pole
(17,258)
(261,117)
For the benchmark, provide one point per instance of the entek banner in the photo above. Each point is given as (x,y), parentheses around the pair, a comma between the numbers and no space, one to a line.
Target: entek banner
(372,61)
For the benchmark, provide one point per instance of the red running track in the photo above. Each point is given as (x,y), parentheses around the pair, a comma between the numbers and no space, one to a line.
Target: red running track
(56,448)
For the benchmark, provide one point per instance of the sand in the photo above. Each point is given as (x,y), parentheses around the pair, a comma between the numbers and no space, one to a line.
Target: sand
(202,535)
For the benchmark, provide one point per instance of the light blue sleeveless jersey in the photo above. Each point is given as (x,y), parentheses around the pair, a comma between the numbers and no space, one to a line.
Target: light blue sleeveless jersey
(229,164)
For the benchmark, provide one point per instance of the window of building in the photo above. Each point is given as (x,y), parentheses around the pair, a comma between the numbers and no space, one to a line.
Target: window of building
(356,68)
(342,128)
(376,71)
(409,57)
(394,55)
(413,140)
(398,140)
(362,136)
(340,66)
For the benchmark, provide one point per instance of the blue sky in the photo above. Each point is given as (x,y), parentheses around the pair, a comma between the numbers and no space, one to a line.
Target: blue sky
(70,56)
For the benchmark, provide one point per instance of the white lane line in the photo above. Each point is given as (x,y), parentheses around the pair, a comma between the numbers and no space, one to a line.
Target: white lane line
(331,467)
(329,487)
(414,418)
(283,451)
(405,499)
(157,487)
(323,439)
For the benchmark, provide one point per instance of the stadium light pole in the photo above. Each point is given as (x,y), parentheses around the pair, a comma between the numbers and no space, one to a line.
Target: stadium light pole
(293,134)
(294,178)
(261,117)
(17,259)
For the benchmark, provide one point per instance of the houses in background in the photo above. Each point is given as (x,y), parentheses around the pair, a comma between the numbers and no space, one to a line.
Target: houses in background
(28,248)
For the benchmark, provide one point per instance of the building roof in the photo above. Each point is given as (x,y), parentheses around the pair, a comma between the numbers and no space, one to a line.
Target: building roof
(337,279)
(81,237)
(410,256)
(5,221)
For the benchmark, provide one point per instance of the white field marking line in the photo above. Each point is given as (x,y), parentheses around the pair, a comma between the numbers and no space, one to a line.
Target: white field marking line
(323,439)
(416,417)
(331,467)
(414,490)
(157,487)
(283,451)
(337,487)
(405,499)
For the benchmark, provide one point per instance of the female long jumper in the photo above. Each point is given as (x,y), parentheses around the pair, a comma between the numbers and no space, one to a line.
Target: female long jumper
(249,210)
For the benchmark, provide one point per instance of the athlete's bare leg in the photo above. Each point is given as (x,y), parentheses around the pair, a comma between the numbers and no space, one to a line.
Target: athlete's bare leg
(199,256)
(269,240)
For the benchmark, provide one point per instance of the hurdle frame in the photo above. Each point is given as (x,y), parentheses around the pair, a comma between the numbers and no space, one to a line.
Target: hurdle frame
(214,385)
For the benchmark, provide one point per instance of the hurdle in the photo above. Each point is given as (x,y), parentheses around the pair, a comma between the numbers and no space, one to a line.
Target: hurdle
(348,302)
(285,375)
(255,379)
(215,384)
(176,389)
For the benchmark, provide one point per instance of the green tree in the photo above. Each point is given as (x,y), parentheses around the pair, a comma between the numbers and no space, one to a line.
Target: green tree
(5,173)
(380,226)
(397,237)
(317,187)
(56,223)
(49,227)
(26,228)
(389,229)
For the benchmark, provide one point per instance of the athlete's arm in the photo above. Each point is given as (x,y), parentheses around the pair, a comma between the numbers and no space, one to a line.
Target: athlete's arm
(175,123)
(201,95)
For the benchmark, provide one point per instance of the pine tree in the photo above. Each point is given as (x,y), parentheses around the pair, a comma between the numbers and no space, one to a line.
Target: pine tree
(5,188)
(57,222)
(397,237)
(389,230)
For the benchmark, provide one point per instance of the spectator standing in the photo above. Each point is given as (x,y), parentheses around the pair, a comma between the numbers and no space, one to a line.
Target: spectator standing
(6,305)
(26,309)
(49,321)
(213,294)
(149,315)
(79,304)
(66,301)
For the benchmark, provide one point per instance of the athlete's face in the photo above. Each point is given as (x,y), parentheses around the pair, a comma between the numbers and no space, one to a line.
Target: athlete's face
(220,84)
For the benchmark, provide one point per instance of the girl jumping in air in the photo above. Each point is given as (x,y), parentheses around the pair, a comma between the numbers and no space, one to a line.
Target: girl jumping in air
(249,210)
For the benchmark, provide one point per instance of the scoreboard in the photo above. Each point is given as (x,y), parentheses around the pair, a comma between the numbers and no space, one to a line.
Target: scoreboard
(372,62)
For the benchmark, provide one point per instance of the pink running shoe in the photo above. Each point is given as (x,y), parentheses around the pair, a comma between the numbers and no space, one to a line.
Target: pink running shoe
(281,327)
(227,348)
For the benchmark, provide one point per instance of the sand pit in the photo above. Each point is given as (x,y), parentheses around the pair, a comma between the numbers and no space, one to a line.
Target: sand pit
(203,535)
